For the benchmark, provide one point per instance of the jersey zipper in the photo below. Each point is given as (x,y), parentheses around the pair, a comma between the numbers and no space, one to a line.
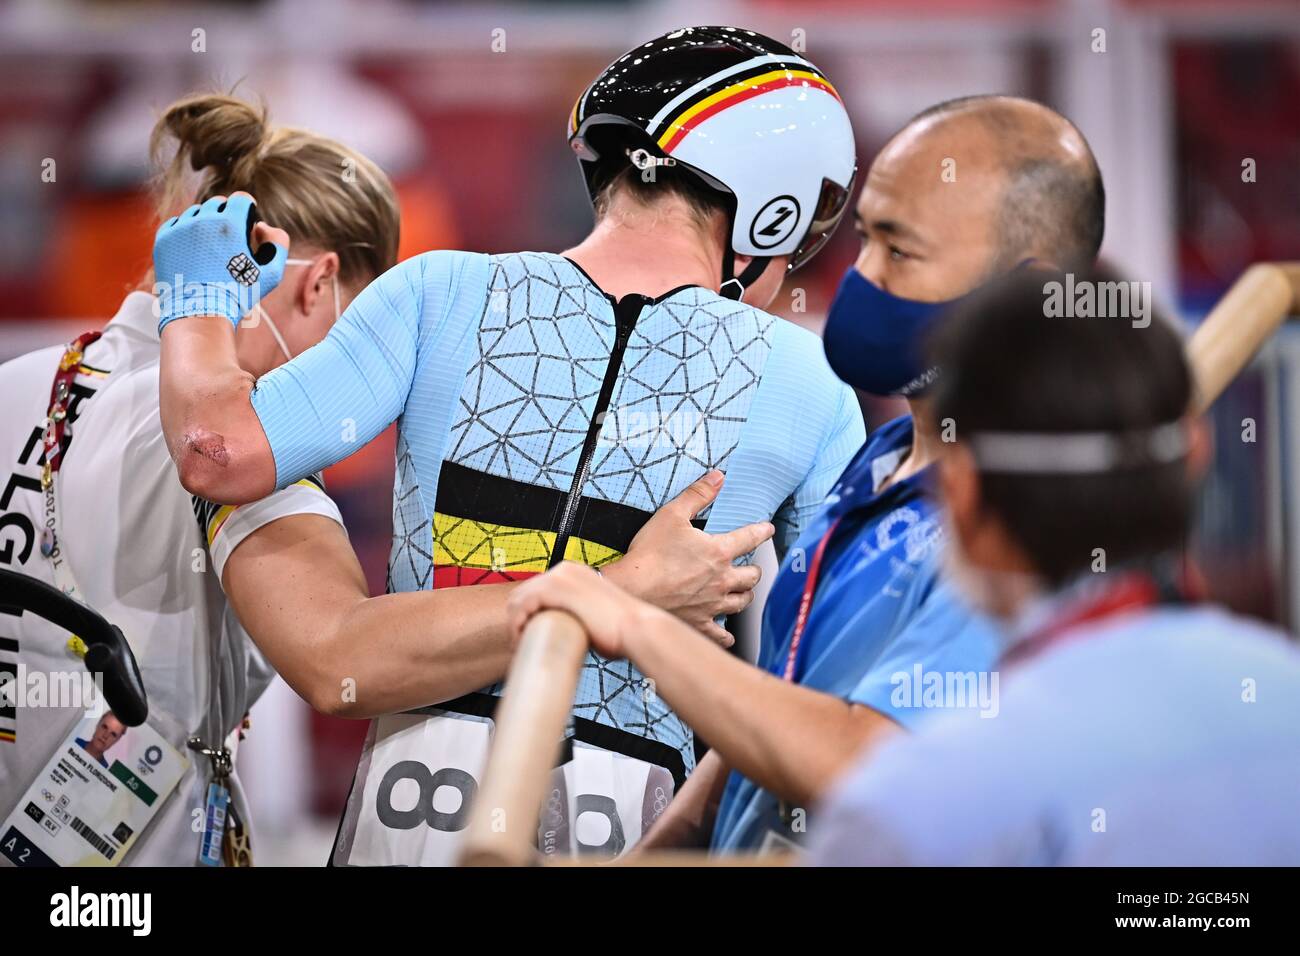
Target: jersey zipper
(626,312)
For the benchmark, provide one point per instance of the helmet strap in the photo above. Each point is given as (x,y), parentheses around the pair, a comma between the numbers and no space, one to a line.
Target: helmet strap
(734,286)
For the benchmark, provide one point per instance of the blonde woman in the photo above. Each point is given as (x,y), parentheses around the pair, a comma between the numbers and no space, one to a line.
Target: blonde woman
(106,517)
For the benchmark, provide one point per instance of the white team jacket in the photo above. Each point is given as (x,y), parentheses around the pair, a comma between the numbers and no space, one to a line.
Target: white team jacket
(135,541)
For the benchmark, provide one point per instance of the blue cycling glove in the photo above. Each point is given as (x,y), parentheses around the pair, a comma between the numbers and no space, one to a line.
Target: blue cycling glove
(203,264)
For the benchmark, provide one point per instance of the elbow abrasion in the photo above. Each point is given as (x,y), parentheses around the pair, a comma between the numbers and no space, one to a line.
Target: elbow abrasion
(207,445)
(199,451)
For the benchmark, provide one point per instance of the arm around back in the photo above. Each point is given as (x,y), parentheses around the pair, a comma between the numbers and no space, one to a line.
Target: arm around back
(300,593)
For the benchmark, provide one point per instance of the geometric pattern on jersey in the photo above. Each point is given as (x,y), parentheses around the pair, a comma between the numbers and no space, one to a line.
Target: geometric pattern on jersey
(410,558)
(688,373)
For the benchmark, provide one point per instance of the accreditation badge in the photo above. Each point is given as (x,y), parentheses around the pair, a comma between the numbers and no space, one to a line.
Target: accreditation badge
(94,797)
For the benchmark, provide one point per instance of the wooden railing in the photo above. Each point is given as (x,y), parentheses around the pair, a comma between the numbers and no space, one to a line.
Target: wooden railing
(530,724)
(1239,325)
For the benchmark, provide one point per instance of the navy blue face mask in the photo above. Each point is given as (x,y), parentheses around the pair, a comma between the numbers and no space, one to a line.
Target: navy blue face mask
(875,341)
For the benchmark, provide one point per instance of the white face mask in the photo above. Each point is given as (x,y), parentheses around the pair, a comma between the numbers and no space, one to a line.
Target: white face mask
(999,594)
(275,333)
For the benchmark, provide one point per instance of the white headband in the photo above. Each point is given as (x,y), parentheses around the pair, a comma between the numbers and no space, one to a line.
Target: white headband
(1077,453)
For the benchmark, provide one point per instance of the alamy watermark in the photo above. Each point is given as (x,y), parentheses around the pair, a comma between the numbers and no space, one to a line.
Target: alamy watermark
(54,689)
(184,298)
(1087,299)
(945,690)
(636,430)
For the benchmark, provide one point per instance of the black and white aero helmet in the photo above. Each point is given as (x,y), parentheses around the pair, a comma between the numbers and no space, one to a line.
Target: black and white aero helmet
(745,114)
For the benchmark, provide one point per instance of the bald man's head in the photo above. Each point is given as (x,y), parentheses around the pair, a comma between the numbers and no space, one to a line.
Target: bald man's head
(968,189)
(1053,202)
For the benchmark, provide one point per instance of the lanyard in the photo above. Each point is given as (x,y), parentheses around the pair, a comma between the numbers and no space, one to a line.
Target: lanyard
(56,422)
(783,809)
(805,602)
(888,498)
(1135,591)
(52,438)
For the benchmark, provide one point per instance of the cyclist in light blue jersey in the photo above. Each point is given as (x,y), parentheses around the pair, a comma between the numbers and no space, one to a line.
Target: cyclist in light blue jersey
(548,405)
(859,613)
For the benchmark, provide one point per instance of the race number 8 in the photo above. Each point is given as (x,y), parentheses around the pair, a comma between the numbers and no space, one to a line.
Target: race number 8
(604,806)
(424,811)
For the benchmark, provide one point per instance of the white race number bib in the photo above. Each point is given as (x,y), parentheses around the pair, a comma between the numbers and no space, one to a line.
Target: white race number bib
(420,771)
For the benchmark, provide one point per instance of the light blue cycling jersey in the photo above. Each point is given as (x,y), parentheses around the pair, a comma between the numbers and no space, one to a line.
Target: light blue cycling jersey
(539,419)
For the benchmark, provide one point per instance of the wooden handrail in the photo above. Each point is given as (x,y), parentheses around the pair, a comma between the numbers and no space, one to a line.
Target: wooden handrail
(530,723)
(1239,325)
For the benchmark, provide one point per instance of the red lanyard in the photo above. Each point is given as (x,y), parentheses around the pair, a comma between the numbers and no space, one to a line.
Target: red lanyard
(56,422)
(56,426)
(805,602)
(1130,593)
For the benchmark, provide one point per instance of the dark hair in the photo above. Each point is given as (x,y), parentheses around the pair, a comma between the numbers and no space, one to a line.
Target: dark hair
(1052,202)
(1009,364)
(615,174)
(1053,206)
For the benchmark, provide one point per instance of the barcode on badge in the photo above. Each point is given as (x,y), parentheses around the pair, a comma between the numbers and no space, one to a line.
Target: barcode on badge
(94,839)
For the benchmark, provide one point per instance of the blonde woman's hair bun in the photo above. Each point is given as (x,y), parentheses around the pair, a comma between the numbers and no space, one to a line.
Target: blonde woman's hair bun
(320,191)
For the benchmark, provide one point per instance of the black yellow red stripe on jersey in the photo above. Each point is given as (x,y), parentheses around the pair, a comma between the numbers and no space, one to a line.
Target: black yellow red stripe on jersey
(486,528)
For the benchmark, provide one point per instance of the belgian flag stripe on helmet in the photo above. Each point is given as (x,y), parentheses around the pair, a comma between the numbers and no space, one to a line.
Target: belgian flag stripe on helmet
(706,88)
(733,94)
(721,79)
(573,113)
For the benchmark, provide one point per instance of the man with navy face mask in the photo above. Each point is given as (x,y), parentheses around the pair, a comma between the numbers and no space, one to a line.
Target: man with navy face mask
(860,636)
